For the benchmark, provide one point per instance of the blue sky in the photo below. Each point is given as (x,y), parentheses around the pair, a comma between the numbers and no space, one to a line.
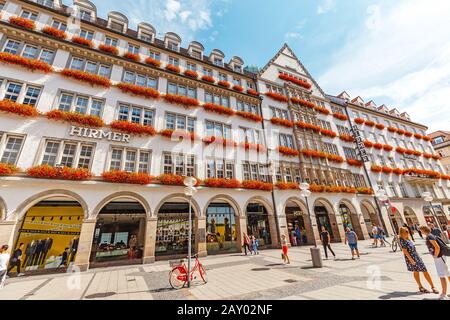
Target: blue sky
(394,52)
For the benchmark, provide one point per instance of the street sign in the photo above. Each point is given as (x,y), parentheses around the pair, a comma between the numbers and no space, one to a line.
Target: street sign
(359,144)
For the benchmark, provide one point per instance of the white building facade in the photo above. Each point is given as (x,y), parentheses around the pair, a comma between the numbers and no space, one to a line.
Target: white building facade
(100,123)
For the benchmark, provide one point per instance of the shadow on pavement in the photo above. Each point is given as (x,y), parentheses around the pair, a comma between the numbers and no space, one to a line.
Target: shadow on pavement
(399,294)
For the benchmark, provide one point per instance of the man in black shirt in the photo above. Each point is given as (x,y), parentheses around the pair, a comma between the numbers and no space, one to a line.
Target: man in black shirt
(16,260)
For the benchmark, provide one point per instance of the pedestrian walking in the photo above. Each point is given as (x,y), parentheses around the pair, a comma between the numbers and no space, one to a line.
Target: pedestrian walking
(440,251)
(16,260)
(284,247)
(255,245)
(414,262)
(417,227)
(382,236)
(352,240)
(445,234)
(434,230)
(246,244)
(375,235)
(4,260)
(326,240)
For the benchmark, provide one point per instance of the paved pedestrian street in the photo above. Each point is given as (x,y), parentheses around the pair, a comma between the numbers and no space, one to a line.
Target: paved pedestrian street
(379,274)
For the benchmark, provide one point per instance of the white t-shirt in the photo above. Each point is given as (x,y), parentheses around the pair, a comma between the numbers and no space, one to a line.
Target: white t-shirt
(4,259)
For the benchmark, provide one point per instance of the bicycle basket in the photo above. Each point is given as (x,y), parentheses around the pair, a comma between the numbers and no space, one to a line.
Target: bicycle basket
(176,263)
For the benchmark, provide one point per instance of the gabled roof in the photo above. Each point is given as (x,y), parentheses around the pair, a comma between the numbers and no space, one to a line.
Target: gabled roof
(358,99)
(371,104)
(344,95)
(286,46)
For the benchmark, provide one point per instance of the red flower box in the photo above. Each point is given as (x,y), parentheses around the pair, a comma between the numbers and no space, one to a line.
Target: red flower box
(368,144)
(179,134)
(426,138)
(277,96)
(429,173)
(109,49)
(401,132)
(418,136)
(314,153)
(127,177)
(359,120)
(288,151)
(145,92)
(253,146)
(409,152)
(282,122)
(249,116)
(22,22)
(74,117)
(31,64)
(64,173)
(378,146)
(398,171)
(238,88)
(392,129)
(380,126)
(224,84)
(82,41)
(173,68)
(191,74)
(92,79)
(132,56)
(417,153)
(22,110)
(303,103)
(153,62)
(400,150)
(222,183)
(299,82)
(7,169)
(132,128)
(340,116)
(437,157)
(308,126)
(288,186)
(173,180)
(219,109)
(408,134)
(335,158)
(388,148)
(253,92)
(208,79)
(369,123)
(328,133)
(219,140)
(365,190)
(322,110)
(355,163)
(346,137)
(181,100)
(257,185)
(427,155)
(387,170)
(55,33)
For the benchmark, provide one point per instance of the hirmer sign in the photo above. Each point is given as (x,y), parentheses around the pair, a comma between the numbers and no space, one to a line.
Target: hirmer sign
(99,134)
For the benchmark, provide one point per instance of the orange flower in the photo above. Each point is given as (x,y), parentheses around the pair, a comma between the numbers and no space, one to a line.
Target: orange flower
(153,62)
(368,144)
(400,150)
(288,151)
(335,158)
(238,88)
(287,186)
(253,146)
(224,84)
(426,138)
(277,96)
(299,82)
(257,185)
(253,92)
(132,128)
(109,49)
(82,41)
(218,109)
(401,132)
(23,110)
(181,100)
(127,177)
(219,140)
(64,173)
(308,126)
(138,90)
(314,153)
(364,190)
(74,117)
(208,79)
(392,129)
(340,116)
(380,126)
(249,116)
(387,170)
(303,102)
(31,64)
(132,56)
(418,136)
(173,180)
(328,133)
(359,120)
(378,146)
(369,123)
(179,134)
(427,155)
(92,79)
(56,33)
(322,110)
(22,22)
(408,134)
(222,183)
(282,122)
(191,74)
(388,148)
(173,68)
(398,171)
(7,169)
(346,137)
(355,163)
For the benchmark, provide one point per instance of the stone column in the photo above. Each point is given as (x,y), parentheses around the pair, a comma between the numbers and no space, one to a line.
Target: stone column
(362,225)
(241,227)
(273,231)
(85,244)
(200,236)
(282,222)
(339,226)
(150,240)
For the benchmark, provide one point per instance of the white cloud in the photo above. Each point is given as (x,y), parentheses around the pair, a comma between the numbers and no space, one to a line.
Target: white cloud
(292,35)
(326,6)
(402,59)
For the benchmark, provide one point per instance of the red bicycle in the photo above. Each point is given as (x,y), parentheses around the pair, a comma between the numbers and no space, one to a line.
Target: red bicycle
(178,276)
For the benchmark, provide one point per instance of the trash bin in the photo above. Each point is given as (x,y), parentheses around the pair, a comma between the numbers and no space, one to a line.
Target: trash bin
(316,258)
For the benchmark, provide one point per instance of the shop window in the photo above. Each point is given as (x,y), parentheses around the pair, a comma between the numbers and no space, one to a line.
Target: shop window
(221,231)
(258,224)
(71,154)
(10,147)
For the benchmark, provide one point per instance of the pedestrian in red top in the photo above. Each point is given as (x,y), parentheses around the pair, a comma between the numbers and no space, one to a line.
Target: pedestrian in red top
(284,246)
(246,245)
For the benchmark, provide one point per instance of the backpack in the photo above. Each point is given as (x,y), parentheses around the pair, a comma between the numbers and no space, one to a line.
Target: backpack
(444,249)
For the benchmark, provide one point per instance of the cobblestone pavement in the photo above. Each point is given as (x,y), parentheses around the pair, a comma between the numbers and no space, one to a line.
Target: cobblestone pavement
(379,274)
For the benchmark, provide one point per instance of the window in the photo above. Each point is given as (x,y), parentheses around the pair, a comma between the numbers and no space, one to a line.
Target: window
(359,180)
(191,66)
(237,81)
(2,5)
(355,114)
(217,129)
(286,140)
(246,107)
(47,3)
(174,61)
(82,104)
(207,72)
(71,154)
(140,79)
(29,15)
(219,169)
(85,15)
(111,41)
(392,190)
(274,89)
(88,35)
(11,46)
(133,49)
(217,99)
(90,66)
(146,36)
(179,164)
(251,85)
(29,51)
(31,95)
(343,130)
(21,93)
(279,113)
(330,148)
(180,122)
(59,25)
(250,135)
(136,114)
(255,171)
(130,160)
(287,172)
(438,140)
(10,146)
(196,54)
(13,91)
(116,26)
(174,88)
(223,77)
(218,62)
(237,68)
(154,55)
(172,46)
(403,191)
(350,153)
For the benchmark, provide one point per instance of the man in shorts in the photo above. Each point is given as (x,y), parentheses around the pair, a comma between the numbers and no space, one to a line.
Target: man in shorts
(352,239)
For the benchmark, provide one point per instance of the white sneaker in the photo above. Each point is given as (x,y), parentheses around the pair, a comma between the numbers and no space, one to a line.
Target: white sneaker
(443,297)
(21,274)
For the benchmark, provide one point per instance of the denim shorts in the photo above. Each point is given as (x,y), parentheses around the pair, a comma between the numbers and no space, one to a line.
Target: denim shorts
(353,246)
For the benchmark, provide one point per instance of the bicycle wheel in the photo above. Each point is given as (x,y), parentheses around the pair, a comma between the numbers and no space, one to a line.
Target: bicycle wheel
(177,278)
(203,274)
(394,245)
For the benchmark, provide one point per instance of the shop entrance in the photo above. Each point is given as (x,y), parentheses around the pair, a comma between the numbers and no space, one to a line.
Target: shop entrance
(370,217)
(410,216)
(324,219)
(258,224)
(172,230)
(300,232)
(221,232)
(350,219)
(49,236)
(119,235)
(430,218)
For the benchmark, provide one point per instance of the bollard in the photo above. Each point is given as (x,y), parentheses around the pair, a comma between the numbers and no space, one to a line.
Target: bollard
(316,258)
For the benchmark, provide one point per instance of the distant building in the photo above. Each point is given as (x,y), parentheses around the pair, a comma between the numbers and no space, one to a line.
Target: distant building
(441,143)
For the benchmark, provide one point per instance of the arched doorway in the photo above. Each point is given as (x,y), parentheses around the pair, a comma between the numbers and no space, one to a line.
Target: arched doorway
(410,216)
(119,234)
(258,224)
(172,230)
(325,218)
(350,219)
(298,224)
(370,216)
(430,216)
(49,234)
(221,228)
(396,218)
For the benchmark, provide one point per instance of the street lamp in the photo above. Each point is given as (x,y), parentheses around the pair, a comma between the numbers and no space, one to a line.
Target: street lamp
(190,191)
(315,252)
(382,197)
(429,198)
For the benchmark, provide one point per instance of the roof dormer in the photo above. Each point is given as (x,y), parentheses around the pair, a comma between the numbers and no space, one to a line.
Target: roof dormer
(55,4)
(117,22)
(344,95)
(405,115)
(196,50)
(383,108)
(358,100)
(172,41)
(237,64)
(85,10)
(394,112)
(146,32)
(217,57)
(371,105)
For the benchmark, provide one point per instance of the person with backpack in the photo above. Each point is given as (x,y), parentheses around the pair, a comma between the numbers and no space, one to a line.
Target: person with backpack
(440,251)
